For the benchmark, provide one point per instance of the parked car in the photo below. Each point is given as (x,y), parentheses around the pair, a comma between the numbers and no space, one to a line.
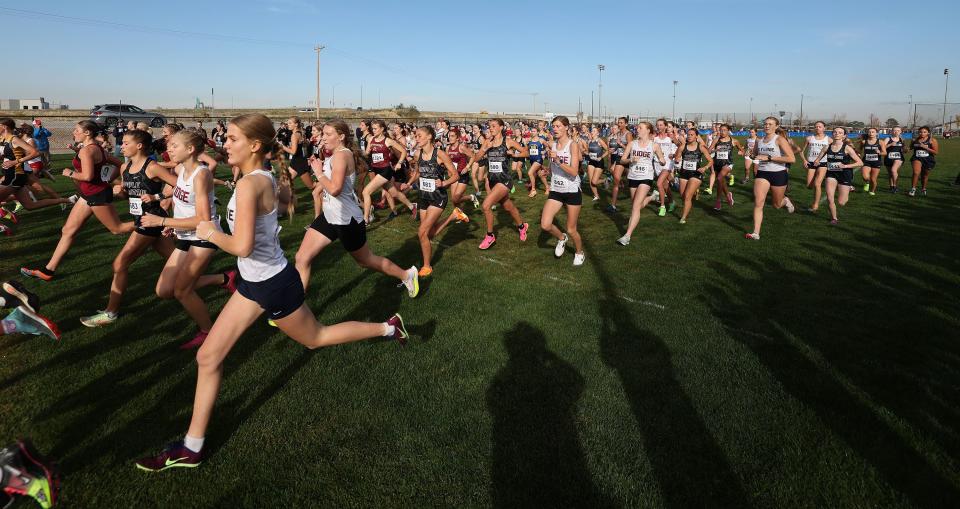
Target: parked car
(307,110)
(109,114)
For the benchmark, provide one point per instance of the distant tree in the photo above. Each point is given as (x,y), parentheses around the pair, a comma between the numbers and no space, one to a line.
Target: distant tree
(838,119)
(406,111)
(891,122)
(856,124)
(873,121)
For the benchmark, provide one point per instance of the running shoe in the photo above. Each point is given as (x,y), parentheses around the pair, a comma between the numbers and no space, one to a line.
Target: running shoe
(37,273)
(47,490)
(732,180)
(371,219)
(523,231)
(196,341)
(729,198)
(412,282)
(834,222)
(27,298)
(596,198)
(872,193)
(913,191)
(271,323)
(683,221)
(413,211)
(393,214)
(460,216)
(753,236)
(488,241)
(561,245)
(866,187)
(399,330)
(230,280)
(789,204)
(656,196)
(923,192)
(99,319)
(17,207)
(475,200)
(6,230)
(716,207)
(578,259)
(611,209)
(174,455)
(708,190)
(22,479)
(624,241)
(28,322)
(671,207)
(532,193)
(6,214)
(894,190)
(662,212)
(425,271)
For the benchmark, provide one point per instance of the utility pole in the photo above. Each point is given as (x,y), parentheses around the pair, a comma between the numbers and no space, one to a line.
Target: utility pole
(801,110)
(673,112)
(601,67)
(909,107)
(361,96)
(318,48)
(751,111)
(211,98)
(943,121)
(591,106)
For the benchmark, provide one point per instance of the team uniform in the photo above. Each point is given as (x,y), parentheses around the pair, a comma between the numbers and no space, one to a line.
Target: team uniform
(871,154)
(430,171)
(298,159)
(690,162)
(773,172)
(894,151)
(843,176)
(927,160)
(459,160)
(564,188)
(498,165)
(265,275)
(97,191)
(723,155)
(751,143)
(535,147)
(185,205)
(815,147)
(594,150)
(13,176)
(668,148)
(617,144)
(341,218)
(641,170)
(136,186)
(381,159)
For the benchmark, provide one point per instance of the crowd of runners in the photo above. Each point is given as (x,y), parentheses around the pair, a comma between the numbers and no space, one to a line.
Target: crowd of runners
(442,174)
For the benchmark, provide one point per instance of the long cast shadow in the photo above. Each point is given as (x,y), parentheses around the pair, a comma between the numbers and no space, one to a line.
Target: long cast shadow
(537,458)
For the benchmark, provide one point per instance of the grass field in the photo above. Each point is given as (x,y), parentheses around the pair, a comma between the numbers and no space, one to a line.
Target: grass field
(819,367)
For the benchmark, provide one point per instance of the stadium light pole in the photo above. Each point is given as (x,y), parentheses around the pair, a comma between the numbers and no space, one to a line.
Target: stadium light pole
(361,96)
(801,111)
(601,67)
(333,95)
(909,106)
(943,120)
(751,111)
(318,48)
(673,112)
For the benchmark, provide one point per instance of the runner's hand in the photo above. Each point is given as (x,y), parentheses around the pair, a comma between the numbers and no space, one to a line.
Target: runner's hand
(151,220)
(205,229)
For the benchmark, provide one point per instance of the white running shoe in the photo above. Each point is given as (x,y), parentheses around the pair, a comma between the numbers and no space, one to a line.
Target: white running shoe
(578,259)
(789,204)
(412,282)
(561,244)
(656,196)
(753,236)
(624,241)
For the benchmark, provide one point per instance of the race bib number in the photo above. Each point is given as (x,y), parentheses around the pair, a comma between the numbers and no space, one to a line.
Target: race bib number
(534,151)
(723,155)
(594,155)
(833,166)
(689,166)
(428,185)
(496,167)
(559,185)
(377,157)
(873,157)
(106,171)
(136,206)
(922,153)
(893,156)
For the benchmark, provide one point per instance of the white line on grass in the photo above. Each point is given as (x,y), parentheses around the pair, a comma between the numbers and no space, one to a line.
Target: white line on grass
(643,302)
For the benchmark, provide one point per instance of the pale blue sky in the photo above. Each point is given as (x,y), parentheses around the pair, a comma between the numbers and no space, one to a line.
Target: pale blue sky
(848,57)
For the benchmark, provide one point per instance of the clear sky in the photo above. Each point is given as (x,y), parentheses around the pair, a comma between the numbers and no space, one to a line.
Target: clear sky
(853,58)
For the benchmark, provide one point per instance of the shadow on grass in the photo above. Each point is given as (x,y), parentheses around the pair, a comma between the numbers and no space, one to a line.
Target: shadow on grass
(690,467)
(537,457)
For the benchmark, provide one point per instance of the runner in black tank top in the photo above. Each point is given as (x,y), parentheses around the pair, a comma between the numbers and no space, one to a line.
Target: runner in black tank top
(723,146)
(690,156)
(872,157)
(925,148)
(841,159)
(496,150)
(434,172)
(893,148)
(297,161)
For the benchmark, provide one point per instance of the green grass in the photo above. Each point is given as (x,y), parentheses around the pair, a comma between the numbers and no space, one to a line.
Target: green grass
(817,367)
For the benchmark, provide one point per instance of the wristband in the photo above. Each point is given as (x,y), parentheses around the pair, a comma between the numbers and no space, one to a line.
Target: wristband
(210,235)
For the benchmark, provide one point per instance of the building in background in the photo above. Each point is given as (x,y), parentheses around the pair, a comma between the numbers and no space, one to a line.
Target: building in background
(26,104)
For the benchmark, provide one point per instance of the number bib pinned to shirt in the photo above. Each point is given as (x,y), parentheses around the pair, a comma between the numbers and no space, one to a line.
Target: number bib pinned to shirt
(723,155)
(377,157)
(496,167)
(923,153)
(428,185)
(136,206)
(689,166)
(873,157)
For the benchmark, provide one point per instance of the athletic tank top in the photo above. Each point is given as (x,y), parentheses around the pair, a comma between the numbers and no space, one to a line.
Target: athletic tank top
(615,147)
(266,259)
(101,174)
(380,154)
(594,149)
(815,147)
(459,159)
(32,164)
(300,149)
(667,146)
(138,184)
(342,208)
(362,142)
(536,150)
(871,151)
(771,149)
(430,171)
(561,181)
(724,152)
(751,143)
(185,201)
(921,153)
(690,159)
(835,159)
(7,152)
(641,164)
(498,158)
(894,149)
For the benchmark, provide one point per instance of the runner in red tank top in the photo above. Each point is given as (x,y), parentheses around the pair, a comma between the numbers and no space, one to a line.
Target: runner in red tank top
(382,153)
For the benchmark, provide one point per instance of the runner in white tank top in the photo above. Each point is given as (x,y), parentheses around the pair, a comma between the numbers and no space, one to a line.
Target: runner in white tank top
(815,146)
(249,138)
(342,217)
(773,153)
(266,259)
(185,200)
(564,155)
(640,156)
(748,162)
(664,138)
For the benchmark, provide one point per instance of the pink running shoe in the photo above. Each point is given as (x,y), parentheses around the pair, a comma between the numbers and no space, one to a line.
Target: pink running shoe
(523,232)
(488,241)
(729,198)
(231,280)
(195,342)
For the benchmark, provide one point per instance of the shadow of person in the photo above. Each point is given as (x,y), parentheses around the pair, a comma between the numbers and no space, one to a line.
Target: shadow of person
(537,458)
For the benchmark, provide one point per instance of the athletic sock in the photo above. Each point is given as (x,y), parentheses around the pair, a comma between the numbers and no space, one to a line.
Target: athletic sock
(489,234)
(194,444)
(388,330)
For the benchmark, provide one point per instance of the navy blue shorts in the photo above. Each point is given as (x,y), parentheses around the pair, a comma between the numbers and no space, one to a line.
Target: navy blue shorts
(776,178)
(279,296)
